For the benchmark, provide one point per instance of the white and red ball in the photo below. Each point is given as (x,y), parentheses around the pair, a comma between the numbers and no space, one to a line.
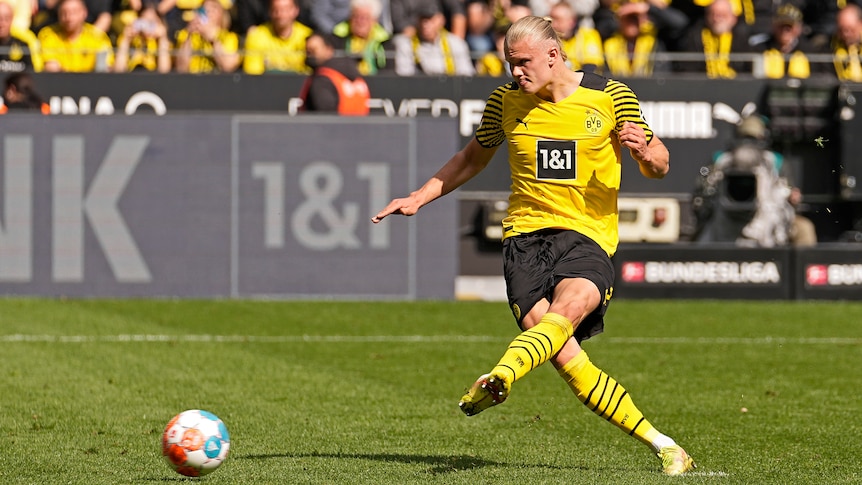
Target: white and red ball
(195,443)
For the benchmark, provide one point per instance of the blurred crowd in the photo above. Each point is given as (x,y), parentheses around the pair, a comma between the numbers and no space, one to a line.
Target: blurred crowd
(722,39)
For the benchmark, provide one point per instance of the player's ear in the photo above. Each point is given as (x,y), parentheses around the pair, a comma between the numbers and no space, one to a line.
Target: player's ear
(553,55)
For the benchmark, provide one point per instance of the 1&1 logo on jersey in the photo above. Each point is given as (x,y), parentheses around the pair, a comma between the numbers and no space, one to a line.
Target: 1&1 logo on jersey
(556,160)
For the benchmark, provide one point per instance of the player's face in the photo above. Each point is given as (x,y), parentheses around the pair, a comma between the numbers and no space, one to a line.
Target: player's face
(529,62)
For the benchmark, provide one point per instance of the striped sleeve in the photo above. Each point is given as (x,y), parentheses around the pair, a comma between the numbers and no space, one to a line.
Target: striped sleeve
(490,132)
(626,107)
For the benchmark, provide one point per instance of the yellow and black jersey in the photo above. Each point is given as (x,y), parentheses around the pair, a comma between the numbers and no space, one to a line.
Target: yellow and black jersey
(564,157)
(80,54)
(265,51)
(203,59)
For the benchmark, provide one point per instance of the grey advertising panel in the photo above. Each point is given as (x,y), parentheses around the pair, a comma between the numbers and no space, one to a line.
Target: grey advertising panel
(131,206)
(306,189)
(221,206)
(304,214)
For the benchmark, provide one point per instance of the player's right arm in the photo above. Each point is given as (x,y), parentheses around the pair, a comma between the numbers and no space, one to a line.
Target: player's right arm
(463,166)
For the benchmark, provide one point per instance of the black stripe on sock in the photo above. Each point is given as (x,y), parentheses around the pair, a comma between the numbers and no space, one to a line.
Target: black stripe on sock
(536,335)
(610,398)
(525,339)
(510,370)
(598,381)
(604,389)
(632,432)
(619,401)
(525,349)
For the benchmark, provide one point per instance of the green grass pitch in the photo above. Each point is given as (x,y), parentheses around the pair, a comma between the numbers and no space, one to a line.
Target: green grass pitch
(367,392)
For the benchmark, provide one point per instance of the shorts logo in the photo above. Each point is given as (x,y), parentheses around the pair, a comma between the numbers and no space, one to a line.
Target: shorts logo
(556,160)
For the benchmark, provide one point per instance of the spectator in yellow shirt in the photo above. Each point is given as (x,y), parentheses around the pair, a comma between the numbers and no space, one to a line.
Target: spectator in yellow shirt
(784,50)
(206,45)
(583,45)
(493,63)
(631,51)
(278,45)
(144,44)
(73,45)
(364,36)
(847,44)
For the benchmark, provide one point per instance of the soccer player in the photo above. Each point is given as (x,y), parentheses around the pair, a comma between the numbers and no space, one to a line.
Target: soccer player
(565,130)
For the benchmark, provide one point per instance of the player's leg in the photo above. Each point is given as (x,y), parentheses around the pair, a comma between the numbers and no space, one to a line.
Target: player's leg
(605,397)
(530,349)
(528,270)
(550,327)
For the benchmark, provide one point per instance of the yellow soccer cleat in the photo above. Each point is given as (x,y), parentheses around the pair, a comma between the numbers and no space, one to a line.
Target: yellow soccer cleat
(489,390)
(675,461)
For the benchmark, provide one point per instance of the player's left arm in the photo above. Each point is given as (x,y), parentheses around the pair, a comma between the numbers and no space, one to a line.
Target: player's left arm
(652,155)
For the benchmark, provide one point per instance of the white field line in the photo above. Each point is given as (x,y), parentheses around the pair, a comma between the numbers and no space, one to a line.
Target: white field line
(129,338)
(707,474)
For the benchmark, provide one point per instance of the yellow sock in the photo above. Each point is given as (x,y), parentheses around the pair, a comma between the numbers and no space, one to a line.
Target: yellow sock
(533,347)
(605,397)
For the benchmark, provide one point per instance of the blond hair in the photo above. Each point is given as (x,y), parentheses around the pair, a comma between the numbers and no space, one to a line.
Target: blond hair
(534,28)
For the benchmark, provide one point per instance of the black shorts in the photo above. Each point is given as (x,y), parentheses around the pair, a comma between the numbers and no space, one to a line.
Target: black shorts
(534,263)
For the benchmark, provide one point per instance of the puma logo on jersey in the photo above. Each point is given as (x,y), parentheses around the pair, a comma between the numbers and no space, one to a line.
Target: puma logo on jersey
(522,122)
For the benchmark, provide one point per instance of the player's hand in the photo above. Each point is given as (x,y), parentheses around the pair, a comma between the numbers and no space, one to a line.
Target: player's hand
(406,206)
(633,137)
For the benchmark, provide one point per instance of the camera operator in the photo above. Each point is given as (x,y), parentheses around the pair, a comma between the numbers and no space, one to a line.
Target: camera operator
(746,196)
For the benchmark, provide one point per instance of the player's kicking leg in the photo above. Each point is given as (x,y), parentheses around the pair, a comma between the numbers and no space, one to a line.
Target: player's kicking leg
(529,350)
(489,390)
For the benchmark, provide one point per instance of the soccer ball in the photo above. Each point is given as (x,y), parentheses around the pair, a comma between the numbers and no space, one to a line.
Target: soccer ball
(195,443)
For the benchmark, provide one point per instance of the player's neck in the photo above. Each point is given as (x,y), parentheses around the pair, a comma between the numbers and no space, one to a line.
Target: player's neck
(562,86)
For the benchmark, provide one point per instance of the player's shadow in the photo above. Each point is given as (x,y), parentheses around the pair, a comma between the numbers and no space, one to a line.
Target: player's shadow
(439,464)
